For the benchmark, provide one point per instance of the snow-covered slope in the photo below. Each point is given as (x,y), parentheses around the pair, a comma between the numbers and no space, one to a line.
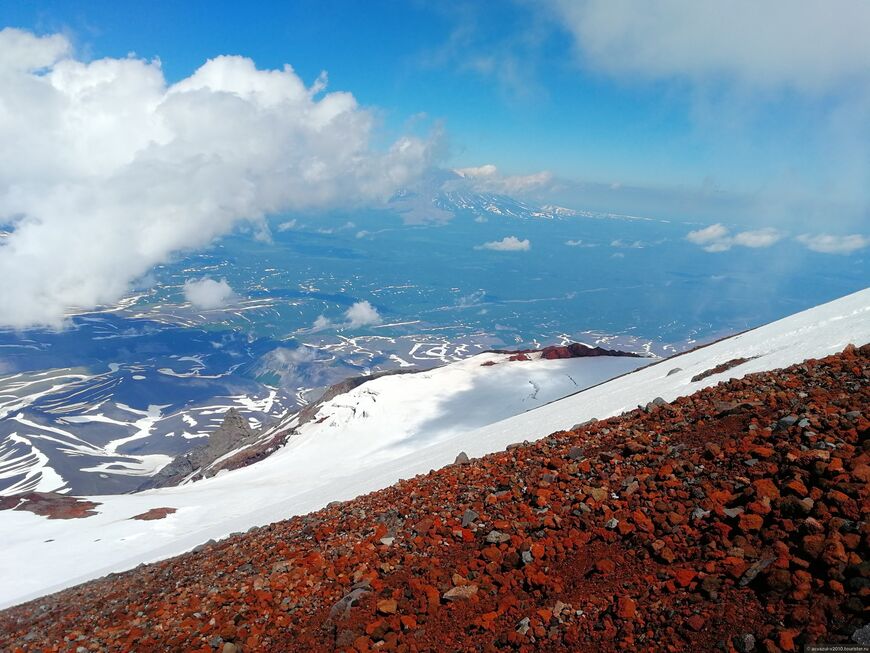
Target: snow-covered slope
(352,448)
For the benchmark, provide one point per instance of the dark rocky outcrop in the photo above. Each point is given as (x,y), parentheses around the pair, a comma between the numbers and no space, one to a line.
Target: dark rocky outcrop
(233,433)
(573,350)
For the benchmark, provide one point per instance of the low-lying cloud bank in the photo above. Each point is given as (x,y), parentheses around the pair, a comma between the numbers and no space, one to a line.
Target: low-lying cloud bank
(718,238)
(488,179)
(828,244)
(107,170)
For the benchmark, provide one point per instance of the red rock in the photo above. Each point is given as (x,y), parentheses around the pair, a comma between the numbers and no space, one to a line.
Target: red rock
(765,488)
(605,566)
(460,593)
(387,606)
(796,487)
(750,522)
(409,622)
(696,622)
(684,576)
(626,607)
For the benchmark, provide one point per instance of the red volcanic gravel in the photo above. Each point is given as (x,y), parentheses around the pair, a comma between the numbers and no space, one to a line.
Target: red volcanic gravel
(732,520)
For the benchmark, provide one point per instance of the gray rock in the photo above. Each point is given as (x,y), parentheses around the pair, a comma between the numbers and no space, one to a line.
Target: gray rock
(788,420)
(753,571)
(497,537)
(854,415)
(468,518)
(341,607)
(201,547)
(744,643)
(612,523)
(862,635)
(675,370)
(732,512)
(526,557)
(523,626)
(700,513)
(461,459)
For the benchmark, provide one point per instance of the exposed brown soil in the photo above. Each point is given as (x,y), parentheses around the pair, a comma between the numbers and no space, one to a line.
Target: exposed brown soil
(154,513)
(50,504)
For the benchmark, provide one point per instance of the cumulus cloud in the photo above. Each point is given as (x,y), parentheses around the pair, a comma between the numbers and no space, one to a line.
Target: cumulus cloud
(708,234)
(758,238)
(207,294)
(507,244)
(810,46)
(828,244)
(360,314)
(718,238)
(488,179)
(107,170)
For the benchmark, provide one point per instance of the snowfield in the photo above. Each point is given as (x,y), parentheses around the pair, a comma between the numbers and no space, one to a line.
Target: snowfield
(391,428)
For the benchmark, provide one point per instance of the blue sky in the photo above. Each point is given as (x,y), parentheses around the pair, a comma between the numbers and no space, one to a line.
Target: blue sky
(518,85)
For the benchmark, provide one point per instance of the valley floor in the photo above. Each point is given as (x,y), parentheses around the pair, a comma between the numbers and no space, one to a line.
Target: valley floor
(733,518)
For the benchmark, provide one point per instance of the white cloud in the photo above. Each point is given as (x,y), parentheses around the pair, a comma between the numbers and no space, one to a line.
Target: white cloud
(206,293)
(107,170)
(758,238)
(488,179)
(287,226)
(472,299)
(322,322)
(628,244)
(579,243)
(811,45)
(717,238)
(507,244)
(828,244)
(362,314)
(708,234)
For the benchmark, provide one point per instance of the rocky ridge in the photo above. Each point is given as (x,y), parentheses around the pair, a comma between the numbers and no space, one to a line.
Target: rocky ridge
(233,434)
(733,519)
